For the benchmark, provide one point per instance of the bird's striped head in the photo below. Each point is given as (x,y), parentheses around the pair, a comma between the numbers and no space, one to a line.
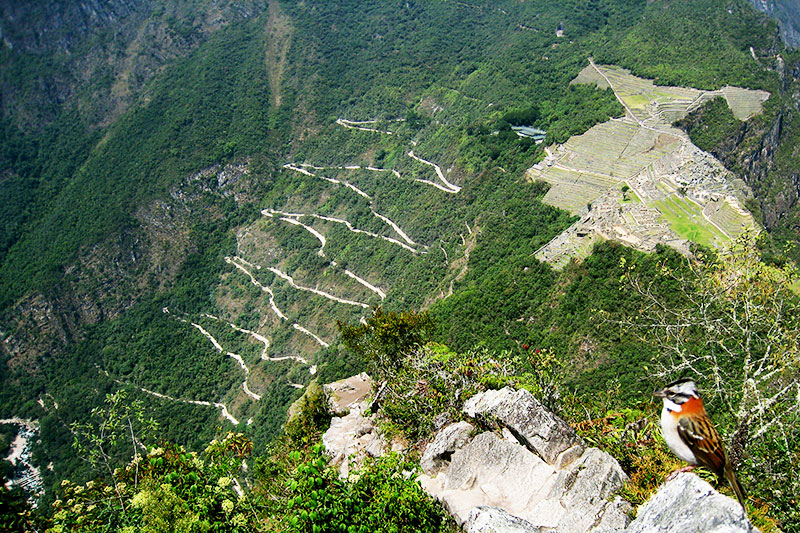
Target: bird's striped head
(678,393)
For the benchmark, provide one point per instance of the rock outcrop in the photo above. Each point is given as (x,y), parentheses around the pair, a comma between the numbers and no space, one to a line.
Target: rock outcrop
(348,394)
(493,520)
(532,474)
(787,14)
(687,504)
(534,425)
(537,475)
(438,453)
(352,436)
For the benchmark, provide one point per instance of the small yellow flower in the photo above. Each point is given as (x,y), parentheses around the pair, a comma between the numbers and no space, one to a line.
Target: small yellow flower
(227,506)
(224,482)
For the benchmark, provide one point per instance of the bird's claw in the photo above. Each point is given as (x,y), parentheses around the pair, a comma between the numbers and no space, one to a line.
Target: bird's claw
(680,471)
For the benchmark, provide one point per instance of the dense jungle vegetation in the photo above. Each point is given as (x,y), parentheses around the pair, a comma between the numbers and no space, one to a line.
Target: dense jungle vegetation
(111,224)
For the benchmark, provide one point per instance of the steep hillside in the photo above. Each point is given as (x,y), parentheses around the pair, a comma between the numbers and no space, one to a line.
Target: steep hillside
(787,13)
(70,69)
(191,220)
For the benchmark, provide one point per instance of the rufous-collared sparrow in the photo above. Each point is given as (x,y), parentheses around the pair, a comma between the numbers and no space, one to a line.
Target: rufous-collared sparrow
(691,435)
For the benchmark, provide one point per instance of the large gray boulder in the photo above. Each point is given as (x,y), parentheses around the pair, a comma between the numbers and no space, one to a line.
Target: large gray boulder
(438,453)
(503,473)
(494,520)
(491,471)
(531,422)
(687,504)
(584,491)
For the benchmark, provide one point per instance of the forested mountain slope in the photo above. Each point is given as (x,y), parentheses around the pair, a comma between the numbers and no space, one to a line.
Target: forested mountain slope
(196,197)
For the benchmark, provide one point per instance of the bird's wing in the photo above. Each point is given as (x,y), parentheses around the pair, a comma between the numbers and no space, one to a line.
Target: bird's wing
(700,436)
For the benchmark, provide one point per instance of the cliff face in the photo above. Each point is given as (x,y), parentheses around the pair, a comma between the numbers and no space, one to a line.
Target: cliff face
(84,63)
(96,54)
(113,275)
(787,13)
(47,27)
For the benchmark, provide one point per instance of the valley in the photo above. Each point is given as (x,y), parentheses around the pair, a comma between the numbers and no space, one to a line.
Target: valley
(198,223)
(676,195)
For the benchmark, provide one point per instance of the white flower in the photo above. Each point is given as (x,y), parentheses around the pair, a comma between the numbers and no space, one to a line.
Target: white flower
(155,452)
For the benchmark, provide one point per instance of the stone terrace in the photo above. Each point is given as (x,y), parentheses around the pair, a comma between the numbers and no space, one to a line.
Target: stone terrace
(654,159)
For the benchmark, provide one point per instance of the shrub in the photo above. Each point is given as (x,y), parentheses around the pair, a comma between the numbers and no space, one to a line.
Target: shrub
(381,497)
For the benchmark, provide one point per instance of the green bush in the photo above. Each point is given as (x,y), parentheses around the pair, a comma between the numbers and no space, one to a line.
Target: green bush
(385,339)
(308,416)
(168,490)
(381,497)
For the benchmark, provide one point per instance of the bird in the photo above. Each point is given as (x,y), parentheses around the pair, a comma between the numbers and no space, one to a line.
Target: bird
(690,433)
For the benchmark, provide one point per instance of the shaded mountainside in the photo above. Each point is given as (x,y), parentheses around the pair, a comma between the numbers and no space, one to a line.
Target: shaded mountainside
(97,55)
(157,218)
(197,192)
(69,71)
(787,13)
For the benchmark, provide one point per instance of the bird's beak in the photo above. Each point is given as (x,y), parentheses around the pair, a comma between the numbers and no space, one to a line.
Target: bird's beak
(661,393)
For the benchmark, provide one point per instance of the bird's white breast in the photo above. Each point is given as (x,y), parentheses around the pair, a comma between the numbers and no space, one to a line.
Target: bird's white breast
(669,428)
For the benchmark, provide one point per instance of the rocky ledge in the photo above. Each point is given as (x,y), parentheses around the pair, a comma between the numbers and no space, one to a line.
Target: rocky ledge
(536,474)
(527,471)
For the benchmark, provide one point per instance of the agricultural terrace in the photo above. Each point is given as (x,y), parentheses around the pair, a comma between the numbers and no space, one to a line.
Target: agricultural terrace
(681,193)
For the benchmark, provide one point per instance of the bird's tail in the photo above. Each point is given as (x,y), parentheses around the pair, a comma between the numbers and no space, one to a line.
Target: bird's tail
(730,475)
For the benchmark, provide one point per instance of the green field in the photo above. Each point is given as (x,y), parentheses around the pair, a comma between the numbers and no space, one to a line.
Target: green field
(686,219)
(637,101)
(631,197)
